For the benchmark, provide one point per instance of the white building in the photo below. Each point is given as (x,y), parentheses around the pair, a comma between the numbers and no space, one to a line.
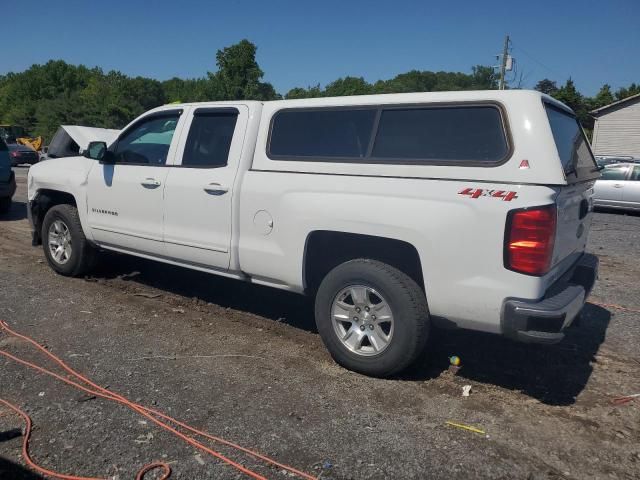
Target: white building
(617,128)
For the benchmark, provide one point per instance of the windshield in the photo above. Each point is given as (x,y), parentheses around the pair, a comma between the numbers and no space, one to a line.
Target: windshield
(573,148)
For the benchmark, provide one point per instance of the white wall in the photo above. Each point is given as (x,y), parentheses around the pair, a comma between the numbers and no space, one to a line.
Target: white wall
(617,132)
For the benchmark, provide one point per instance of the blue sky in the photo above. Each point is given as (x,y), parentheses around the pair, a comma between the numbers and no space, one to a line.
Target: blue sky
(302,43)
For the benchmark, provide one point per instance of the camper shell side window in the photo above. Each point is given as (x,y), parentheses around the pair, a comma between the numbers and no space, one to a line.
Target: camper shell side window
(437,134)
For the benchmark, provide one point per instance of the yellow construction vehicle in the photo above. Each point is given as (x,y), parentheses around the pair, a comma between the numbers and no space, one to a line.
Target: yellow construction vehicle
(17,134)
(33,142)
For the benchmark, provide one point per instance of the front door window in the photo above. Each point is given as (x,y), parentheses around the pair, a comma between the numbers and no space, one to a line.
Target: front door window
(147,143)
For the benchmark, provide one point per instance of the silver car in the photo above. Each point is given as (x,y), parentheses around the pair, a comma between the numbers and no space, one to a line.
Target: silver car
(619,187)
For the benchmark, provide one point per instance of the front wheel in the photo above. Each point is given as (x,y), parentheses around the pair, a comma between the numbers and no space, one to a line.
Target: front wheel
(372,317)
(66,248)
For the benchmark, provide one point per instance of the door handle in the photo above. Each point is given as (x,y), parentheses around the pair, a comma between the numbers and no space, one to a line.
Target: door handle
(215,189)
(618,185)
(150,183)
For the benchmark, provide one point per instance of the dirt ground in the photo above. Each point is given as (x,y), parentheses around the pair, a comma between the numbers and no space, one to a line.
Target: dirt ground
(245,363)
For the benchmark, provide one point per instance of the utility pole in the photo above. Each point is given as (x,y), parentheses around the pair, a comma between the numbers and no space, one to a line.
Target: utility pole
(503,65)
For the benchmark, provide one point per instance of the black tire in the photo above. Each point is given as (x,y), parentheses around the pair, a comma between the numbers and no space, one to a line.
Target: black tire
(408,305)
(5,205)
(82,256)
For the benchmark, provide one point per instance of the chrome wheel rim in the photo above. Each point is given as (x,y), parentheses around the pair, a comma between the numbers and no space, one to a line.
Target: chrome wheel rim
(362,320)
(60,242)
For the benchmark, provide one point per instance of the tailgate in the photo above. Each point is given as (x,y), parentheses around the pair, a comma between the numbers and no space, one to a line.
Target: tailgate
(573,201)
(575,212)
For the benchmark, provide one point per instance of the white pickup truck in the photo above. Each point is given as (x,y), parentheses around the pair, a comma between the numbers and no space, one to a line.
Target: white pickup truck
(395,212)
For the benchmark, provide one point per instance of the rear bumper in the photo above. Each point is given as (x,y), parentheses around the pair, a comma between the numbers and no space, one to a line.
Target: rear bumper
(25,160)
(7,189)
(545,320)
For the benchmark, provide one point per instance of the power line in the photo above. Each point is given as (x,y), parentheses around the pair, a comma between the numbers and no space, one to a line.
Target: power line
(531,57)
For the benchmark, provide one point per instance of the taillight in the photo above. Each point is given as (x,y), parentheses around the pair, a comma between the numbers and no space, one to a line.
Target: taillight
(529,239)
(13,153)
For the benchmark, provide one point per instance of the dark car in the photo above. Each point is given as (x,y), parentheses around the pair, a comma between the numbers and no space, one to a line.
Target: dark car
(7,179)
(20,154)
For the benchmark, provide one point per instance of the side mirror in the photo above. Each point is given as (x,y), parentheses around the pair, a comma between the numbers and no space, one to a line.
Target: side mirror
(98,151)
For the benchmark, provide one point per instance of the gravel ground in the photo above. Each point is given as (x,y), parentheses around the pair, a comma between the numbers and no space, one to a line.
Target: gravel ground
(245,363)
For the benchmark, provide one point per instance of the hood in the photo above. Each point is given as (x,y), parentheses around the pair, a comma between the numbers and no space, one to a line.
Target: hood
(83,135)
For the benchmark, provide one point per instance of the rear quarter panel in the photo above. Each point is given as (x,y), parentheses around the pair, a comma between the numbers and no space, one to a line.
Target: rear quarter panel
(459,238)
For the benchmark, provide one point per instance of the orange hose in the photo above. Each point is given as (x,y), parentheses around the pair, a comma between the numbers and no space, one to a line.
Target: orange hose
(51,473)
(149,413)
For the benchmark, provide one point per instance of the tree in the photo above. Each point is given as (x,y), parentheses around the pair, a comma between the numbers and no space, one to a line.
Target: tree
(347,86)
(569,95)
(602,98)
(484,78)
(309,92)
(622,93)
(546,86)
(239,74)
(43,97)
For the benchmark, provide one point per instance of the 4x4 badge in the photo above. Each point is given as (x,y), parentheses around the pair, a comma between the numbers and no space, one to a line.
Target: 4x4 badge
(481,192)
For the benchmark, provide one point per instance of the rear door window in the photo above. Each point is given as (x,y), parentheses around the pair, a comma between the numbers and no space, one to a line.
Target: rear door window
(573,148)
(209,139)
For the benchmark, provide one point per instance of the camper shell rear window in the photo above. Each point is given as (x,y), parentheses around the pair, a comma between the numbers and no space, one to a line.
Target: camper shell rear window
(573,148)
(452,134)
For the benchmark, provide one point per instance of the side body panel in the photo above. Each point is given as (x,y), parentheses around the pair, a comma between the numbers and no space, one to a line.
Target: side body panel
(631,192)
(125,202)
(198,203)
(459,238)
(608,192)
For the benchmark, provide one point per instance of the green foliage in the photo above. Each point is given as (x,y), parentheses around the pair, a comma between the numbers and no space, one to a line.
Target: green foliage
(603,97)
(569,95)
(44,97)
(582,105)
(546,86)
(481,78)
(622,93)
(239,75)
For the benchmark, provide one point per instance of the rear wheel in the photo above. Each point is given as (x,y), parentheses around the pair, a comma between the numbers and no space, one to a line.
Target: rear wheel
(372,317)
(5,204)
(66,248)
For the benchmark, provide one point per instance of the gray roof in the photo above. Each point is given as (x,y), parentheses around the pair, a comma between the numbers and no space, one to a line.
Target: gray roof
(599,111)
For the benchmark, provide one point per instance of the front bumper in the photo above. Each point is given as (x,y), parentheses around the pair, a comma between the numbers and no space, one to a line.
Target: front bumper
(545,320)
(7,189)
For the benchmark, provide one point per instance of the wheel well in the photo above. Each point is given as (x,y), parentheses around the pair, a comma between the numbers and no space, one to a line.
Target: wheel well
(43,201)
(325,250)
